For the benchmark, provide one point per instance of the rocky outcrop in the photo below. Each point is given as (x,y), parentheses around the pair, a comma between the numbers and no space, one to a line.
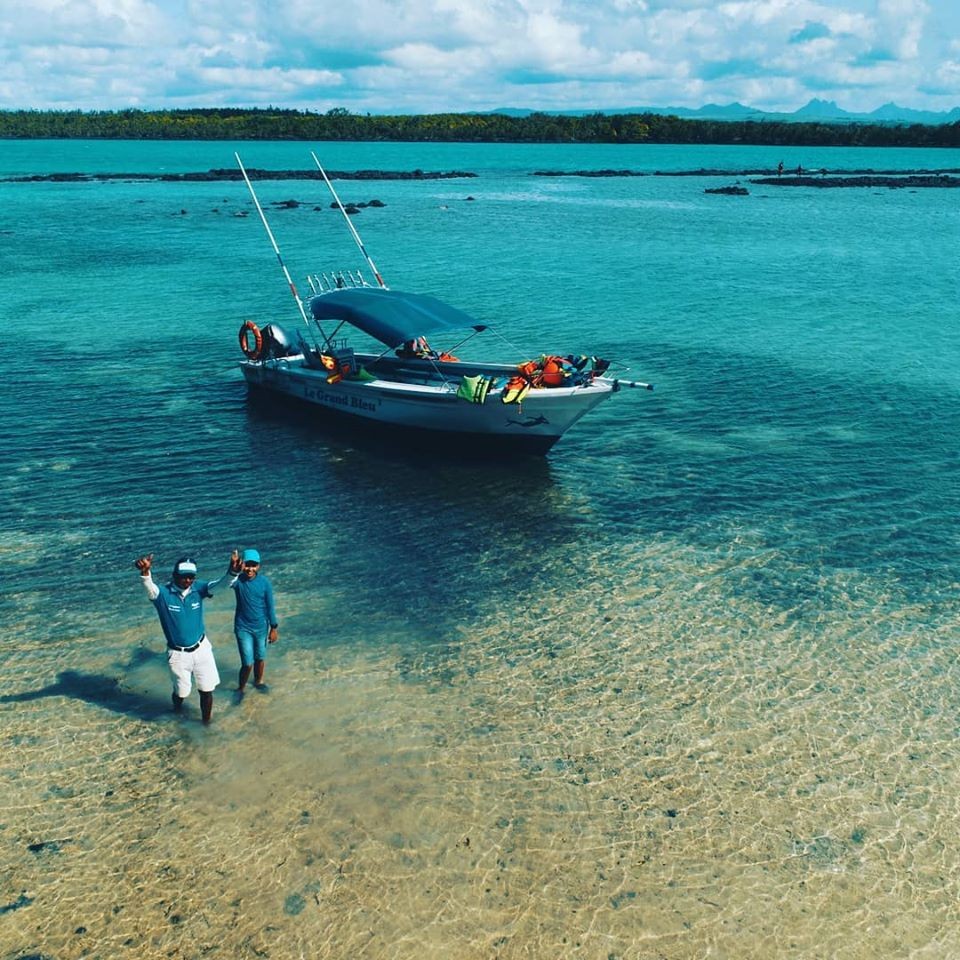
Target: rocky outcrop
(229,174)
(895,182)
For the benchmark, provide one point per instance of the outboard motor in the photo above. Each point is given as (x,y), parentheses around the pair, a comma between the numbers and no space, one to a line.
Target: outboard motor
(276,343)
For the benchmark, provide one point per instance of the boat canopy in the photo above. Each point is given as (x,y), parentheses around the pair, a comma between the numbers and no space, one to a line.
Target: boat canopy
(390,316)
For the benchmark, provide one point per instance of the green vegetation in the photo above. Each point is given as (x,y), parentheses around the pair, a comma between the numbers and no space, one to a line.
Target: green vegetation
(340,124)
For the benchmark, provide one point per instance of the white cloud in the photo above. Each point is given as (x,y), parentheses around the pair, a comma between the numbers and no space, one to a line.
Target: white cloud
(79,22)
(473,54)
(429,60)
(900,25)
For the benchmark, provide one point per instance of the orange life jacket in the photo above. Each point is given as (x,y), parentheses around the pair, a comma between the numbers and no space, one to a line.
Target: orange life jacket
(338,368)
(553,373)
(516,389)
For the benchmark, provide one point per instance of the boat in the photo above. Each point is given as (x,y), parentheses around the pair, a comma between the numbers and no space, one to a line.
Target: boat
(399,381)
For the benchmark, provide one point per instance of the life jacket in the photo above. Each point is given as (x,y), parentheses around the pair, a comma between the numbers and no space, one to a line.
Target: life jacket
(417,348)
(516,389)
(552,373)
(338,368)
(519,385)
(474,389)
(330,363)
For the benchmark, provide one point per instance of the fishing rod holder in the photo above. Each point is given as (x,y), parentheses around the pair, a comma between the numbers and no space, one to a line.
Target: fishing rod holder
(338,280)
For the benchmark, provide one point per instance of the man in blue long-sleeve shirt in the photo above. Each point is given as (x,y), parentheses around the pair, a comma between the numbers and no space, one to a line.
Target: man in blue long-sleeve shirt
(255,622)
(179,605)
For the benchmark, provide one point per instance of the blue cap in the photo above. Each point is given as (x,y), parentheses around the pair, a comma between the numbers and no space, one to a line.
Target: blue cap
(251,556)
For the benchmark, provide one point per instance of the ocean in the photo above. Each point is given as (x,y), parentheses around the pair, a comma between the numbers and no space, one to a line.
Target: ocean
(684,688)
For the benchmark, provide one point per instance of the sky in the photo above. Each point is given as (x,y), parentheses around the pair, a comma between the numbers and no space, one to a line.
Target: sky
(434,56)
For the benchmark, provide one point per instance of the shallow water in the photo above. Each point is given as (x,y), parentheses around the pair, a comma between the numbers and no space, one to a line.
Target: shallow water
(685,688)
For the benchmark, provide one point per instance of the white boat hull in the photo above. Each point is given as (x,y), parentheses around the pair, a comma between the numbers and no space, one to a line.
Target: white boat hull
(432,409)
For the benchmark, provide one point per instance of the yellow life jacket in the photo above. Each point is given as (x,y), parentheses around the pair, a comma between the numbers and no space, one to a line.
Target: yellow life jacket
(474,389)
(516,389)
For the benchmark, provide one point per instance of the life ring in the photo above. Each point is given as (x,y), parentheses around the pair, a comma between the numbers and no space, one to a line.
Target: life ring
(251,353)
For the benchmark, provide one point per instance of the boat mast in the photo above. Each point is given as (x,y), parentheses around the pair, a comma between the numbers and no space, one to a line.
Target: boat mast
(276,249)
(346,216)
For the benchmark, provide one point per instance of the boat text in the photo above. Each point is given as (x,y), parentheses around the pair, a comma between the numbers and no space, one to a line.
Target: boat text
(339,399)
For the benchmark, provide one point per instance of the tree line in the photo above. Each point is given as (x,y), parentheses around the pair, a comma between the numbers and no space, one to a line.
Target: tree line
(230,123)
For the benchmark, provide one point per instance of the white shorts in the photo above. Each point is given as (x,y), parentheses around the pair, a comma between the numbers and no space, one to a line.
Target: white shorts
(199,664)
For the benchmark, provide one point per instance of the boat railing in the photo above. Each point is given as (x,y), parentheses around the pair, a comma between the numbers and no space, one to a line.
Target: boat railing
(337,280)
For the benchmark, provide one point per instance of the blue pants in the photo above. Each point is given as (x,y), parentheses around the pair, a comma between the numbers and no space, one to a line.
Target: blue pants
(252,646)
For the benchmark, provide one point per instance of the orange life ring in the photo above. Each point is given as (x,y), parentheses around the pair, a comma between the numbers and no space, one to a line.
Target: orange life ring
(254,352)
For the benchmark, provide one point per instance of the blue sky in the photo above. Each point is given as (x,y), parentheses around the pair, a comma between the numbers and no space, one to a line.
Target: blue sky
(428,56)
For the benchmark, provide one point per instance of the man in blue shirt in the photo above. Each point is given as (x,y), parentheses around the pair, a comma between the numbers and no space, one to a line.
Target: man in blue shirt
(179,606)
(255,622)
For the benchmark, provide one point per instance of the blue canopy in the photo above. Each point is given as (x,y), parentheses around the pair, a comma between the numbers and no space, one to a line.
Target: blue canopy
(390,316)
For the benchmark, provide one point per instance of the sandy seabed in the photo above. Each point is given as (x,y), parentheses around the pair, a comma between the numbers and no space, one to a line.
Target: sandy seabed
(653,773)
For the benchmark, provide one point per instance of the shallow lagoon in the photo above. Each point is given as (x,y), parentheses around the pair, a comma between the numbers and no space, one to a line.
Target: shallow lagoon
(685,688)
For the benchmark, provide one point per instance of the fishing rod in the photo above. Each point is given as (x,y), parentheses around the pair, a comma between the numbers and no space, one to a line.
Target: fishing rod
(346,216)
(276,249)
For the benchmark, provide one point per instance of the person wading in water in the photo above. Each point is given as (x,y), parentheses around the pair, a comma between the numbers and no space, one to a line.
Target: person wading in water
(179,606)
(255,622)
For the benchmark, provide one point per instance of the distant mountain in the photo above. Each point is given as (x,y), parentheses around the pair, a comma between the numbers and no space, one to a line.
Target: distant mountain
(816,111)
(827,111)
(821,110)
(891,113)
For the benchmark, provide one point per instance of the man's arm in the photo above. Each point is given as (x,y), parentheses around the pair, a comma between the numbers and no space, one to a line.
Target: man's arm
(143,564)
(231,576)
(271,613)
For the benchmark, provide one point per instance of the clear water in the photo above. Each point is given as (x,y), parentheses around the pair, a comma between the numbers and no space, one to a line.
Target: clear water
(687,687)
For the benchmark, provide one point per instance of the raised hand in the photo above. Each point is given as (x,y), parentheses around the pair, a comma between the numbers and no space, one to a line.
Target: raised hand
(143,564)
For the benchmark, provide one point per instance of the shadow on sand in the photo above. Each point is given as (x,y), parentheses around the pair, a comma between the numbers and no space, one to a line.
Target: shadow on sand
(101,691)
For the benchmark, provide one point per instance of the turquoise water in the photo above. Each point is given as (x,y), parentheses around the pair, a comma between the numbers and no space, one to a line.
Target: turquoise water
(688,685)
